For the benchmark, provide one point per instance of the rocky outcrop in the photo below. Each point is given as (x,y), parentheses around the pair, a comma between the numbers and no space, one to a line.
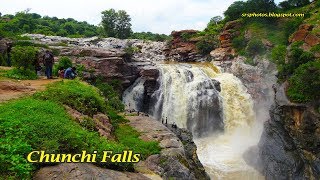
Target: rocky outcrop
(86,171)
(305,35)
(225,51)
(99,122)
(183,48)
(289,145)
(177,159)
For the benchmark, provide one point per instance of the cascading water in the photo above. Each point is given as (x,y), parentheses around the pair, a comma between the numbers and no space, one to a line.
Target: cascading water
(188,95)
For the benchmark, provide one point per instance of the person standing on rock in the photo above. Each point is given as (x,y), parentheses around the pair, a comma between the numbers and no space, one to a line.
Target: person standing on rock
(48,61)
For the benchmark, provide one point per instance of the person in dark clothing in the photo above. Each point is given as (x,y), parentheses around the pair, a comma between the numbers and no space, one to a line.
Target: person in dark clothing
(9,45)
(70,73)
(48,61)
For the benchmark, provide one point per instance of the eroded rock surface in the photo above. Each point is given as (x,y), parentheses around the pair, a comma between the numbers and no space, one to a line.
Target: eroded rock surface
(178,158)
(85,171)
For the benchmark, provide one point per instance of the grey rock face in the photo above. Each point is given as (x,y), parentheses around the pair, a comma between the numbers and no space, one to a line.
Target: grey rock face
(178,158)
(289,145)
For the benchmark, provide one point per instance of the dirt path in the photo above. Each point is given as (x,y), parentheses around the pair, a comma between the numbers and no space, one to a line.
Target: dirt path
(13,89)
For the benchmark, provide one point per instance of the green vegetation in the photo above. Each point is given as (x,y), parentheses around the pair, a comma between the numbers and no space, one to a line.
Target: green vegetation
(149,36)
(76,94)
(24,57)
(41,123)
(64,63)
(290,4)
(130,137)
(29,43)
(30,124)
(305,82)
(116,23)
(255,47)
(25,22)
(236,9)
(20,74)
(111,92)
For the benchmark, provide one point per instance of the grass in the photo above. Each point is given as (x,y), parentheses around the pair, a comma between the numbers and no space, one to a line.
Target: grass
(40,122)
(76,94)
(31,124)
(20,74)
(130,137)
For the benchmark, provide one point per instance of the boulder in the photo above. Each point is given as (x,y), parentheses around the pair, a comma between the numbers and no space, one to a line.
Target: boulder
(299,35)
(85,171)
(312,40)
(222,54)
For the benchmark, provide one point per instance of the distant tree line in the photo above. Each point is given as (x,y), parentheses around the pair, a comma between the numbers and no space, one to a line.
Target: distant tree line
(114,24)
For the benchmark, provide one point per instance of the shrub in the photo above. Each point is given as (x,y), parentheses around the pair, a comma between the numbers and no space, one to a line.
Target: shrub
(130,50)
(205,46)
(239,43)
(64,62)
(24,57)
(255,47)
(21,74)
(29,43)
(305,83)
(113,97)
(76,94)
(278,54)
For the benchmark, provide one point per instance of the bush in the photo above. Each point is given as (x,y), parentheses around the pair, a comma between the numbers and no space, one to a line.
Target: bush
(130,50)
(205,46)
(24,57)
(255,47)
(76,94)
(278,54)
(64,62)
(113,97)
(29,43)
(239,43)
(304,85)
(21,74)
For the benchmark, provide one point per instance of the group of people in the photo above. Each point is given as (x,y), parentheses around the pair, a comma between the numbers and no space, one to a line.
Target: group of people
(48,61)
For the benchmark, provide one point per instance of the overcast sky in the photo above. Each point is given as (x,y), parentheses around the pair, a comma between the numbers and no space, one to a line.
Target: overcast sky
(159,16)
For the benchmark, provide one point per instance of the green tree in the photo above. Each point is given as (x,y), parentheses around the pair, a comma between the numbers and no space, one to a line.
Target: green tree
(116,23)
(235,10)
(109,20)
(123,25)
(261,6)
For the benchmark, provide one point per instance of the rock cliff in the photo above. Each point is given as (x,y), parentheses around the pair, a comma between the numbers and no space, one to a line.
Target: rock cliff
(182,47)
(289,145)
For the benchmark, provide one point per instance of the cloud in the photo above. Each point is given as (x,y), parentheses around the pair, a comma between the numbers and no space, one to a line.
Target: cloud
(147,15)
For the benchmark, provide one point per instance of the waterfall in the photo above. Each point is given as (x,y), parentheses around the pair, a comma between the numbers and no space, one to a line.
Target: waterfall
(214,106)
